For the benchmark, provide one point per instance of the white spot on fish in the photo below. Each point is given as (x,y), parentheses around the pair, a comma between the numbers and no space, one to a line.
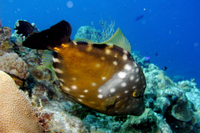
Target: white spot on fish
(98,65)
(134,64)
(112,90)
(126,91)
(116,55)
(102,58)
(100,96)
(94,84)
(121,74)
(57,70)
(86,91)
(137,70)
(80,100)
(103,78)
(124,57)
(73,78)
(62,80)
(115,63)
(66,88)
(131,77)
(74,87)
(126,52)
(82,96)
(137,80)
(107,51)
(100,90)
(133,87)
(56,60)
(89,48)
(118,96)
(127,67)
(123,84)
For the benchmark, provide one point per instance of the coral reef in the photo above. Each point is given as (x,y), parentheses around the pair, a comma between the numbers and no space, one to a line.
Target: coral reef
(5,33)
(16,113)
(98,36)
(11,63)
(171,106)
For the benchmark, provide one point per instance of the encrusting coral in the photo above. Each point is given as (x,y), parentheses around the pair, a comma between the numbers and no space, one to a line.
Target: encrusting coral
(16,113)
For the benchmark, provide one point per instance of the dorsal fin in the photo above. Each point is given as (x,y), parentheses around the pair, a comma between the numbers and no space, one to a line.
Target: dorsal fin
(119,40)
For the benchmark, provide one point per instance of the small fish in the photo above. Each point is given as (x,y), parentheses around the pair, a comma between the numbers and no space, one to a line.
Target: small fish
(104,77)
(156,54)
(164,68)
(139,17)
(23,27)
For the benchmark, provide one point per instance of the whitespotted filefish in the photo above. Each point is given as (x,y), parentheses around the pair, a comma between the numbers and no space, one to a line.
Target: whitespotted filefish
(104,77)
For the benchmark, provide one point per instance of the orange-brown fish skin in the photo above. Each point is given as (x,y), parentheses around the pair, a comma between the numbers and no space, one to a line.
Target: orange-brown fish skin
(103,77)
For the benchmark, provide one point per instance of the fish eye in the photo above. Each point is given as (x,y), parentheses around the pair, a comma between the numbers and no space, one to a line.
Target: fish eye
(136,94)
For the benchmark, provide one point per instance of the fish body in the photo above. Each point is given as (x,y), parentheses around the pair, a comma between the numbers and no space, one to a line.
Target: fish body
(103,77)
(25,28)
(139,17)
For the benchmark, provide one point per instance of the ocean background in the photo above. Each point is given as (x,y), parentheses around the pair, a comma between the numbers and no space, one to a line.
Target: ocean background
(169,32)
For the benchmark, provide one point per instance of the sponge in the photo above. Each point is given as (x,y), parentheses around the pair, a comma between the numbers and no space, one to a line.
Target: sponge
(16,113)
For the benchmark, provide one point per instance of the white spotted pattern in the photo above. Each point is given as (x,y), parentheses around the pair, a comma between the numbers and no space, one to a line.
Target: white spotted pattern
(112,90)
(131,77)
(100,96)
(82,96)
(66,88)
(74,87)
(100,90)
(103,78)
(123,84)
(126,91)
(56,60)
(102,58)
(121,74)
(80,100)
(57,70)
(62,80)
(107,51)
(115,63)
(124,57)
(86,91)
(137,70)
(137,80)
(94,84)
(126,52)
(128,67)
(133,87)
(73,78)
(98,65)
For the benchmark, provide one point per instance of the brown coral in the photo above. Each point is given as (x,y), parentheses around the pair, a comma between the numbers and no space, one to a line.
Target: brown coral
(16,113)
(11,63)
(5,33)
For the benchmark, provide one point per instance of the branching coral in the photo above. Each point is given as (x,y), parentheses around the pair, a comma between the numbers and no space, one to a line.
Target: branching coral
(90,33)
(16,113)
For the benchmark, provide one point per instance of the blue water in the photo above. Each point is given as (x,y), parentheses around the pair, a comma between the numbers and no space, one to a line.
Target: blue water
(169,28)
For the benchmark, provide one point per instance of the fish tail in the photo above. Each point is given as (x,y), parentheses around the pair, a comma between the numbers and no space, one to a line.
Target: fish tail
(50,38)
